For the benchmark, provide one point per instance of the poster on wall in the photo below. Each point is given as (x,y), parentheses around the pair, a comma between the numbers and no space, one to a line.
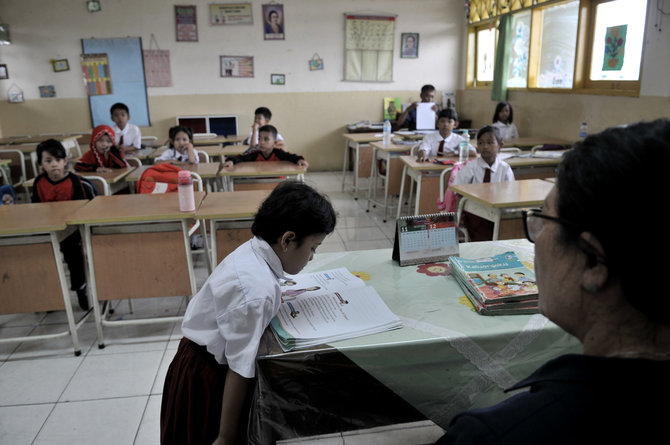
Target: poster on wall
(230,14)
(186,23)
(157,67)
(409,42)
(273,21)
(96,74)
(368,48)
(237,66)
(615,44)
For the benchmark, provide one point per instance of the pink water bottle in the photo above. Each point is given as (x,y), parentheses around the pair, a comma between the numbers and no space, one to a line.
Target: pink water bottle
(186,199)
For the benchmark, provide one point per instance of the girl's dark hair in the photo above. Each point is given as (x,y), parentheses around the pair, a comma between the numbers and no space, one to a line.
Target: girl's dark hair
(608,185)
(491,129)
(293,206)
(499,107)
(177,128)
(51,146)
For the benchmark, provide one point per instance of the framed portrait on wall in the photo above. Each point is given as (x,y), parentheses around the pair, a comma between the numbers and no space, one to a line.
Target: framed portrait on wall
(409,45)
(237,66)
(273,22)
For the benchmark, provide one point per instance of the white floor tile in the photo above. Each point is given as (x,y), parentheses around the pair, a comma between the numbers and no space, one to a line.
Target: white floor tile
(20,424)
(150,427)
(41,380)
(114,375)
(100,422)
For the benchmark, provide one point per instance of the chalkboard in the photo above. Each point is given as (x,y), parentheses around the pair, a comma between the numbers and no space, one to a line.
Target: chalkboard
(126,67)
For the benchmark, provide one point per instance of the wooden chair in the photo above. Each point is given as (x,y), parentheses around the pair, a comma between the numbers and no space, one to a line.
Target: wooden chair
(133,161)
(202,156)
(72,147)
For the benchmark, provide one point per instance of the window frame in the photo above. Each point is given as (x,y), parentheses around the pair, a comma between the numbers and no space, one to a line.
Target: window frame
(582,84)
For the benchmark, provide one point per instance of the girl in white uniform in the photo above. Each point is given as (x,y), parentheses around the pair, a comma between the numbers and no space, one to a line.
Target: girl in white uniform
(205,396)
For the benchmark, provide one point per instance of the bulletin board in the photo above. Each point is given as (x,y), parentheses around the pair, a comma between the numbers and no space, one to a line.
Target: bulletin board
(368,48)
(126,74)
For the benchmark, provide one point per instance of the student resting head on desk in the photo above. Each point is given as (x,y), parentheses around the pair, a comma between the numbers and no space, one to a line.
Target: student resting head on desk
(484,168)
(206,391)
(266,150)
(262,117)
(444,142)
(57,184)
(503,118)
(181,147)
(103,155)
(601,286)
(408,117)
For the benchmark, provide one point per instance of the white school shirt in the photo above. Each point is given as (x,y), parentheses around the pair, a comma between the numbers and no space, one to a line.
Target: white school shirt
(431,143)
(173,155)
(235,305)
(131,135)
(507,131)
(473,172)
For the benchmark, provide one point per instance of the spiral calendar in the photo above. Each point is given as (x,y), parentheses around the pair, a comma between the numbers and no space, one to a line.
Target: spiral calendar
(425,238)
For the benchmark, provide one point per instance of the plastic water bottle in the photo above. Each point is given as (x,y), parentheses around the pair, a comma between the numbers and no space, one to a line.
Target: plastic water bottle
(464,146)
(583,131)
(386,140)
(185,192)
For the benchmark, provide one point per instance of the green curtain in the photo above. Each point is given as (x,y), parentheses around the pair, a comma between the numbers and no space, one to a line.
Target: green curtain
(499,90)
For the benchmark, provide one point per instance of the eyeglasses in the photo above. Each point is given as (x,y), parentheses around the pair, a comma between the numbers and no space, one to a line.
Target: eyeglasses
(532,222)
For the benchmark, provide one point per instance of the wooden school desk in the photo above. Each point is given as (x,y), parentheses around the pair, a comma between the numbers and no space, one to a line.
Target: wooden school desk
(362,153)
(492,200)
(31,263)
(260,170)
(230,215)
(137,246)
(445,359)
(390,155)
(234,150)
(427,176)
(526,143)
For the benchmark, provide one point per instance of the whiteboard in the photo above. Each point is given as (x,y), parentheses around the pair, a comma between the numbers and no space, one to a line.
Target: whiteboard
(126,66)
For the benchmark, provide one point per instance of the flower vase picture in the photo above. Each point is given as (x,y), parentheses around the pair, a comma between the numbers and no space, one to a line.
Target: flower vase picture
(615,43)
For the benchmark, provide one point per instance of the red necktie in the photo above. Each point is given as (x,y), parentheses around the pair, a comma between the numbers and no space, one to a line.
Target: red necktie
(441,147)
(487,175)
(121,140)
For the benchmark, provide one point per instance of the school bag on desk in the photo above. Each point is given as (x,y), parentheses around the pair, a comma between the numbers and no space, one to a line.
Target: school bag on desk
(159,178)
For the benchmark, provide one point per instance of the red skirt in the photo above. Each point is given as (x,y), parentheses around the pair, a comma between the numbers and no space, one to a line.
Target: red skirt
(192,396)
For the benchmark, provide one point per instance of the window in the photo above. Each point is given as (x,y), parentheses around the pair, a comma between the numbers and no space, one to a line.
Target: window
(590,46)
(556,47)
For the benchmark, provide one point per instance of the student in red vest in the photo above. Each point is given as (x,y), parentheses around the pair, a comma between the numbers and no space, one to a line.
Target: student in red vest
(103,155)
(266,150)
(58,184)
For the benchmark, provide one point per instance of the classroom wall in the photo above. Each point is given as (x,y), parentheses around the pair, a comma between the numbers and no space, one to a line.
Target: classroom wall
(560,115)
(311,110)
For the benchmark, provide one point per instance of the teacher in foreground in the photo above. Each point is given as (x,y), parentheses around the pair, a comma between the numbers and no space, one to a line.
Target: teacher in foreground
(600,247)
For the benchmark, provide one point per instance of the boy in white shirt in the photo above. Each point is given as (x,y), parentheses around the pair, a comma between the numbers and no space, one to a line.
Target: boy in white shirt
(128,136)
(262,117)
(485,168)
(444,142)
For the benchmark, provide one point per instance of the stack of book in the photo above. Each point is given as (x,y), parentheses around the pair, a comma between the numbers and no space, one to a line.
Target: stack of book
(497,285)
(323,307)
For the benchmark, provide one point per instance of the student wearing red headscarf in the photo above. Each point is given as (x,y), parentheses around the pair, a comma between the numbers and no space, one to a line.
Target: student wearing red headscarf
(103,155)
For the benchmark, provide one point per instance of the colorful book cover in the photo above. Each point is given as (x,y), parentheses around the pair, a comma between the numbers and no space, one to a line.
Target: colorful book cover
(498,278)
(392,108)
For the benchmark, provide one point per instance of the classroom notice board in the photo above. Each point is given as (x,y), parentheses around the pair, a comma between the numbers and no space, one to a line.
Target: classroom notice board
(126,72)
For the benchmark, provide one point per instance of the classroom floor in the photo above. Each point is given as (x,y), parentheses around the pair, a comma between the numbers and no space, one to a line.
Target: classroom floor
(112,395)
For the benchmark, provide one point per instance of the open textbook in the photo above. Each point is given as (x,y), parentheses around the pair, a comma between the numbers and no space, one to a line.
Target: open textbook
(322,307)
